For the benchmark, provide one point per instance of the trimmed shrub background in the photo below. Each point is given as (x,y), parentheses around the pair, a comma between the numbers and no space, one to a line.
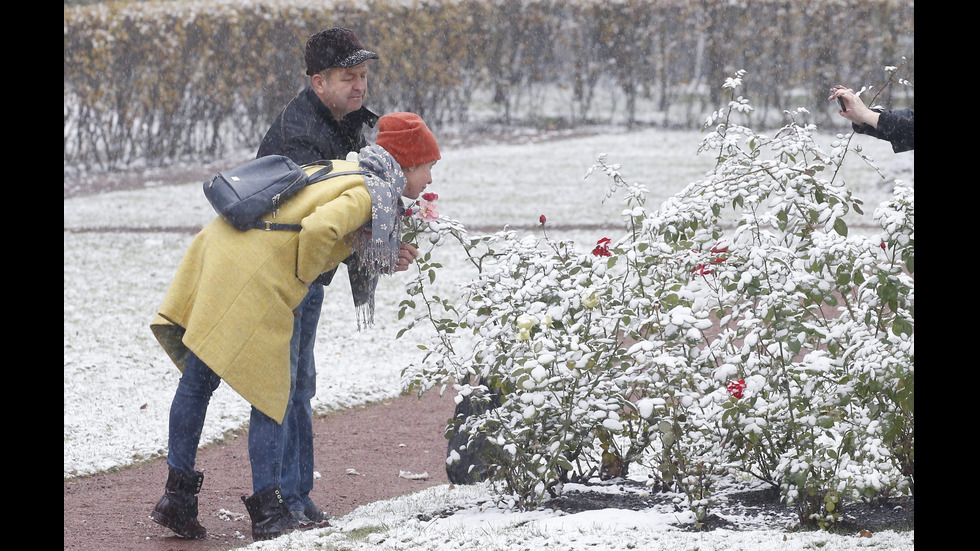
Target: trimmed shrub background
(154,82)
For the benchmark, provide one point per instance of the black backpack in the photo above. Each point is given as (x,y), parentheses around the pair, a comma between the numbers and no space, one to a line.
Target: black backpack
(246,194)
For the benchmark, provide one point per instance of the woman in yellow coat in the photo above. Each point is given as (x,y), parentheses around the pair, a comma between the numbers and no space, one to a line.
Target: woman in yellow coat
(228,314)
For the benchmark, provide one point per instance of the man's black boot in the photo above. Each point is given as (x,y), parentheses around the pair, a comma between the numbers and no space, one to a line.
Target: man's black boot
(270,516)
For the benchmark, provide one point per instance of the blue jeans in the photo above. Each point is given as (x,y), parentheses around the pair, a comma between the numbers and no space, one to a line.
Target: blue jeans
(297,461)
(187,411)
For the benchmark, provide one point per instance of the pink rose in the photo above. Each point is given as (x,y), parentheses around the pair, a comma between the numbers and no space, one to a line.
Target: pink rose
(429,211)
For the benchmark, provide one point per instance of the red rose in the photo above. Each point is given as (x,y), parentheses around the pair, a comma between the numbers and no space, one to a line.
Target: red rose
(736,389)
(602,247)
(542,219)
(430,196)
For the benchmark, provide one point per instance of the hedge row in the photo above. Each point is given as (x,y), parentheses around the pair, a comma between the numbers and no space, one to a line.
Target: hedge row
(158,81)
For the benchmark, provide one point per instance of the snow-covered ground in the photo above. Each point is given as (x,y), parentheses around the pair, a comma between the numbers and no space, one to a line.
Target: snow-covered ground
(118,383)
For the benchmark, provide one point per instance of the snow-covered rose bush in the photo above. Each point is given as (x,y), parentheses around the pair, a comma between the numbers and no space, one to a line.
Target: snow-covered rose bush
(738,329)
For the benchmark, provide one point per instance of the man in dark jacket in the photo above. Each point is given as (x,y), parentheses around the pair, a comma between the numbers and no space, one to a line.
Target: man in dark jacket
(896,126)
(325,121)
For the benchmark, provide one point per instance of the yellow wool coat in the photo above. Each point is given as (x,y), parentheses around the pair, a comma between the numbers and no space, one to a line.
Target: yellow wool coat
(232,300)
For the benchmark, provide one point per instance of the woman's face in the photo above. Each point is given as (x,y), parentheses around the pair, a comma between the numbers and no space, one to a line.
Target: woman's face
(418,178)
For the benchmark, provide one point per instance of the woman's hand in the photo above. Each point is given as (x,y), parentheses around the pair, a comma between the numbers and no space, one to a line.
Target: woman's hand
(854,109)
(406,255)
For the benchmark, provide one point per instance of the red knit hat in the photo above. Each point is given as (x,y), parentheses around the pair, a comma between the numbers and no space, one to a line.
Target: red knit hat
(408,139)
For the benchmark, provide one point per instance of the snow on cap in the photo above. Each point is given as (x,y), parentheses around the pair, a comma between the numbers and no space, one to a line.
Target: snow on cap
(336,47)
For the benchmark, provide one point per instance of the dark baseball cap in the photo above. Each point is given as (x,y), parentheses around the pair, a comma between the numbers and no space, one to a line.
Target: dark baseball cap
(336,47)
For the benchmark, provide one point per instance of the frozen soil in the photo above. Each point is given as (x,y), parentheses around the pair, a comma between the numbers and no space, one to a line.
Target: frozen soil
(738,509)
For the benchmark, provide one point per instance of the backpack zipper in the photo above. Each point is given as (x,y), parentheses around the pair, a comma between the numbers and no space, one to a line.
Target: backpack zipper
(275,198)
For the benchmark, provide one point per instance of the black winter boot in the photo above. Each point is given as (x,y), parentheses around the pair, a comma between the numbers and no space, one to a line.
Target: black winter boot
(303,522)
(270,516)
(316,516)
(177,509)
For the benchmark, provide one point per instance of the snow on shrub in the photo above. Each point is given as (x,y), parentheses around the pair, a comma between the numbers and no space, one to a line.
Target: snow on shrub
(738,329)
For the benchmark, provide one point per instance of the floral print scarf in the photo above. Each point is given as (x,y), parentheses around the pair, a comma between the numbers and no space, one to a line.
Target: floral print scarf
(377,243)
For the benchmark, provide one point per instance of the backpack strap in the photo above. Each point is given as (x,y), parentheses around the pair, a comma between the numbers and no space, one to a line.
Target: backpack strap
(274,226)
(318,176)
(328,176)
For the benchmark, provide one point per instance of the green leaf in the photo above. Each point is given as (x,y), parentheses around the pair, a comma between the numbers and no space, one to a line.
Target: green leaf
(840,227)
(794,346)
(900,326)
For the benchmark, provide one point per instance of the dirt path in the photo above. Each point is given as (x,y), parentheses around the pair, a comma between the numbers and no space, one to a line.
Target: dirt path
(109,512)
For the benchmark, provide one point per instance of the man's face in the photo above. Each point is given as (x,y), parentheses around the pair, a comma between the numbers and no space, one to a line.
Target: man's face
(342,89)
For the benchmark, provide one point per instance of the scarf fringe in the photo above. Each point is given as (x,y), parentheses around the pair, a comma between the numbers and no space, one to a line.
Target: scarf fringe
(365,314)
(377,257)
